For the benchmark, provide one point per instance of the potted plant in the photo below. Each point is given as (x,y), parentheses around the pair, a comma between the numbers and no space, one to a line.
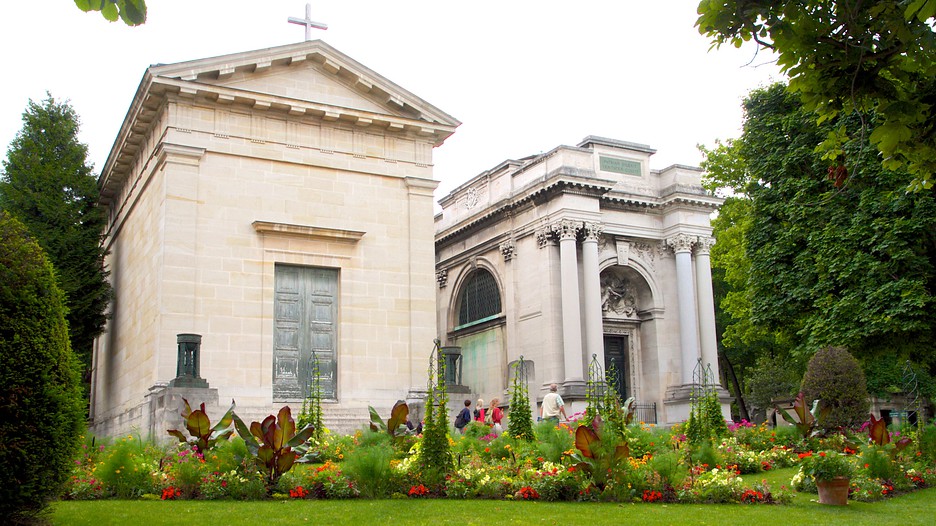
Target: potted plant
(832,472)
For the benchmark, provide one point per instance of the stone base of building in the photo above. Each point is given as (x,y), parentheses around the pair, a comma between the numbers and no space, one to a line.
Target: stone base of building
(677,402)
(160,411)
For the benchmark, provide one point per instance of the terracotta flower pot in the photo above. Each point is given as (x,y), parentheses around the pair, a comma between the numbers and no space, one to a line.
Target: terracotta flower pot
(833,491)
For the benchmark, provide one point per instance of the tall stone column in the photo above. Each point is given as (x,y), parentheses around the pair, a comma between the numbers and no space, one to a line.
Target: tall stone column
(594,344)
(571,318)
(688,331)
(706,300)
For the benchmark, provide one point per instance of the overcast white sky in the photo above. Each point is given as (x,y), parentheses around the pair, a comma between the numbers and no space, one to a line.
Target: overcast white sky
(523,76)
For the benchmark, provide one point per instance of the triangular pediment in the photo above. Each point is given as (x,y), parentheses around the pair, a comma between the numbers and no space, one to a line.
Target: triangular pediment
(311,72)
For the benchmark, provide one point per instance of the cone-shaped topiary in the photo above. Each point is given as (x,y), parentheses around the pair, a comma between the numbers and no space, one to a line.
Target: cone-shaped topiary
(834,377)
(41,410)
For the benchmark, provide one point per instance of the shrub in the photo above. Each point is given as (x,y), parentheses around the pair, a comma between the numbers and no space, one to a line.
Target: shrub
(126,468)
(41,408)
(834,376)
(553,441)
(369,469)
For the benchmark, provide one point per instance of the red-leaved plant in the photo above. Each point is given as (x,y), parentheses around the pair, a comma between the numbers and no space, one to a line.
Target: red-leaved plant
(273,442)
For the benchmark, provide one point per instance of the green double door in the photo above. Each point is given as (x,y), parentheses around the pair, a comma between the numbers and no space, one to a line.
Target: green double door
(304,325)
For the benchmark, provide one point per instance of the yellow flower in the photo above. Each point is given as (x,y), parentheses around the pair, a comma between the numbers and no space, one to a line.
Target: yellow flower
(340,456)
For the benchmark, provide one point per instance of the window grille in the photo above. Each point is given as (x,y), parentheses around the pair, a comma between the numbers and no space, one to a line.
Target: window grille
(480,298)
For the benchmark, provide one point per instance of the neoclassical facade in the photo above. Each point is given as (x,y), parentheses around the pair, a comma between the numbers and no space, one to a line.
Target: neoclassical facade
(581,257)
(267,208)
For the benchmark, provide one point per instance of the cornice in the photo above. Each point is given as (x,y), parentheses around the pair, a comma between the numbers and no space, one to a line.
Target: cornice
(559,184)
(306,231)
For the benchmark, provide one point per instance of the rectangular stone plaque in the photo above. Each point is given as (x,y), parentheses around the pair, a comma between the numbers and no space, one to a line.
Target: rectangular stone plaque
(621,166)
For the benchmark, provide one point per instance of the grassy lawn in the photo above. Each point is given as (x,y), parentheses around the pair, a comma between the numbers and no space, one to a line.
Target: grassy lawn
(915,508)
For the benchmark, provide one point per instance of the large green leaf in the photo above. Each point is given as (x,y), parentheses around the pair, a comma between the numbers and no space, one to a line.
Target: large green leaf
(299,438)
(226,419)
(198,423)
(133,12)
(245,433)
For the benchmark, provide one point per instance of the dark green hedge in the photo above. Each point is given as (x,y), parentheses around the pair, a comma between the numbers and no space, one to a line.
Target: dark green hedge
(41,408)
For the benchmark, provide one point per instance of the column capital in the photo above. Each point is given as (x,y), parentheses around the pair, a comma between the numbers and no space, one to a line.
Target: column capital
(442,277)
(545,237)
(566,229)
(704,245)
(681,242)
(592,230)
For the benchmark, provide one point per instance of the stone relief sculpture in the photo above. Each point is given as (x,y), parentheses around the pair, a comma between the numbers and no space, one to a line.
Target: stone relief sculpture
(618,296)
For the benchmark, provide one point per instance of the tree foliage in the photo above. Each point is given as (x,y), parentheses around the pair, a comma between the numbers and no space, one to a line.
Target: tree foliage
(742,344)
(807,263)
(131,12)
(844,57)
(47,184)
(851,265)
(41,409)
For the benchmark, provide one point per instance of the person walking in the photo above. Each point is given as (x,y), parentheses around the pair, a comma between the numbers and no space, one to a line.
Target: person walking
(464,416)
(553,406)
(494,416)
(479,410)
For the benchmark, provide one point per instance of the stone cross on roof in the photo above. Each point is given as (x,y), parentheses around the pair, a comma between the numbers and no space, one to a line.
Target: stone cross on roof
(308,22)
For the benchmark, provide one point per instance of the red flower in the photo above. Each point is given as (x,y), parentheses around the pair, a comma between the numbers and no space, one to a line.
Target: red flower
(298,493)
(527,493)
(418,491)
(751,496)
(652,495)
(171,493)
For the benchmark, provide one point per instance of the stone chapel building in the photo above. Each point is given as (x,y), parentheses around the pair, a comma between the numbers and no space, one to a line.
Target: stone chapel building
(266,205)
(270,206)
(578,257)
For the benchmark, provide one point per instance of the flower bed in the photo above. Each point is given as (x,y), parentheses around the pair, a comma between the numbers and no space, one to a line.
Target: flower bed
(659,466)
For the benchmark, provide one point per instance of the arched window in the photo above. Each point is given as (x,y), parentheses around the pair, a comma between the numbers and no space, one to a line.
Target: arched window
(480,298)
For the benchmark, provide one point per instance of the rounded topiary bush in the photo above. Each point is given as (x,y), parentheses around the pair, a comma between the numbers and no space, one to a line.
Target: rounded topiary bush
(835,377)
(41,408)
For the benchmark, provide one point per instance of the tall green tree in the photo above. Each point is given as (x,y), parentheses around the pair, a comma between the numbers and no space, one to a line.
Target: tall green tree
(742,345)
(41,411)
(809,260)
(844,57)
(835,264)
(47,183)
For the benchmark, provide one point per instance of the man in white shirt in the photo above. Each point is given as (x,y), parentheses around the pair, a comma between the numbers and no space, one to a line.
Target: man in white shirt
(553,405)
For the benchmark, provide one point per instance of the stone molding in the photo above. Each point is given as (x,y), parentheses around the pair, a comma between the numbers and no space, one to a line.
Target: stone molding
(328,234)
